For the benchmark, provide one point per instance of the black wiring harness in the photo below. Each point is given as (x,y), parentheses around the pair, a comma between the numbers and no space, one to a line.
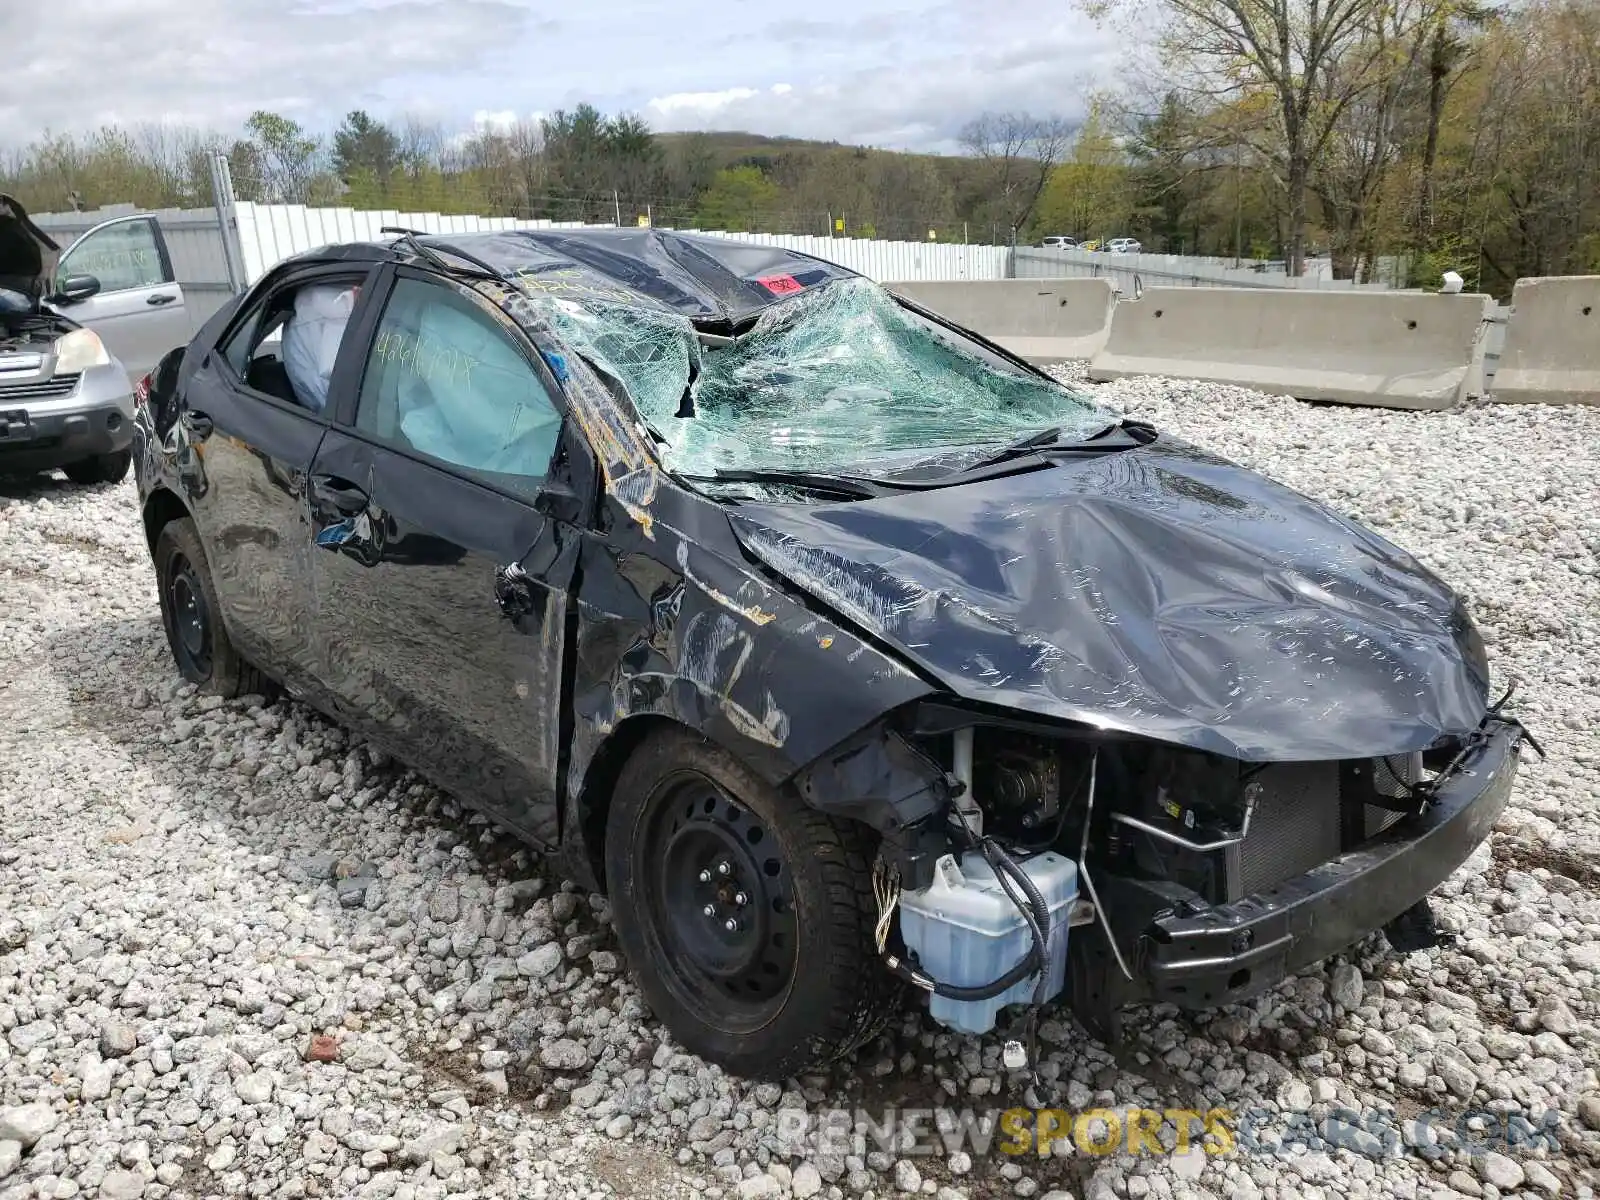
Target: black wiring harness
(1424,792)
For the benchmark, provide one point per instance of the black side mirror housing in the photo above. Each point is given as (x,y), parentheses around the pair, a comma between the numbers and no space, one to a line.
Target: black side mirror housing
(75,289)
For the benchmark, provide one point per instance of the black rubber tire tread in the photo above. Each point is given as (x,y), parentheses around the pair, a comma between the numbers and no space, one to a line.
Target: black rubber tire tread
(849,996)
(231,676)
(102,468)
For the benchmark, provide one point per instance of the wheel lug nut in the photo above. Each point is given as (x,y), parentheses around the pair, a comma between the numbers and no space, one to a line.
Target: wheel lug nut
(705,876)
(724,867)
(731,925)
(741,899)
(710,910)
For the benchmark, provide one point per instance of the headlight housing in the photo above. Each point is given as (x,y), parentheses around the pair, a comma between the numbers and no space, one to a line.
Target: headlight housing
(80,350)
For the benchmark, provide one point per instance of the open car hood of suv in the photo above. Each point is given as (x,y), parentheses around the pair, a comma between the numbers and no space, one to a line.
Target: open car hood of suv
(1157,591)
(28,256)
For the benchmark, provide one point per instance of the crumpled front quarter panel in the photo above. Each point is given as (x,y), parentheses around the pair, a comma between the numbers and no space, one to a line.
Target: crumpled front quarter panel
(673,625)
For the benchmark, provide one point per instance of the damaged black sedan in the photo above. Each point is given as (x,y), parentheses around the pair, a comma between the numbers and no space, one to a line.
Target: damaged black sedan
(842,649)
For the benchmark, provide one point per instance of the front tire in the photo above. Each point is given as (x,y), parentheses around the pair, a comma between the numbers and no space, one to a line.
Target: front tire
(102,468)
(746,916)
(193,621)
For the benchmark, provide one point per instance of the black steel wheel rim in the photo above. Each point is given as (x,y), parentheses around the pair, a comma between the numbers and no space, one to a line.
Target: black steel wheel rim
(191,618)
(718,903)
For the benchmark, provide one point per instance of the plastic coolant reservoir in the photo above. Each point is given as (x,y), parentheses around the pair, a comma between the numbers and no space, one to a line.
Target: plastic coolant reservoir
(966,931)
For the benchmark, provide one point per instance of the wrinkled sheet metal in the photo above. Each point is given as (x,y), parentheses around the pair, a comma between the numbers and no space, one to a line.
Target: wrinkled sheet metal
(1157,591)
(678,625)
(704,279)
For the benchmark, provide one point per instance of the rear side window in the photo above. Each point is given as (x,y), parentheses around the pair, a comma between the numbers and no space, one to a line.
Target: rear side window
(287,345)
(446,381)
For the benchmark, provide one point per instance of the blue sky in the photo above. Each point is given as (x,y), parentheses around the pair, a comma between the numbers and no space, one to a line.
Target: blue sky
(889,74)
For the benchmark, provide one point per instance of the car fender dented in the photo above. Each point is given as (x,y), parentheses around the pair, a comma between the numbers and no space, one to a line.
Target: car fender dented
(750,612)
(711,644)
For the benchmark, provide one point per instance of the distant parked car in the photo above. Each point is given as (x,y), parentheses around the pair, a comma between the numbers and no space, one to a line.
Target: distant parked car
(75,329)
(1092,244)
(1123,246)
(1059,242)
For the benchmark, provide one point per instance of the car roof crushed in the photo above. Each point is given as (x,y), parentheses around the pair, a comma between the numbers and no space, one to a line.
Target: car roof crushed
(743,356)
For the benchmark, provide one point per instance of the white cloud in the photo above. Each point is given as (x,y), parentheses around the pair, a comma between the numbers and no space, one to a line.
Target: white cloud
(698,105)
(919,103)
(505,118)
(308,59)
(890,74)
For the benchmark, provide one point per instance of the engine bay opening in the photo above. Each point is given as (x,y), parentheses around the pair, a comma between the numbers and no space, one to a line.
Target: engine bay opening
(1045,827)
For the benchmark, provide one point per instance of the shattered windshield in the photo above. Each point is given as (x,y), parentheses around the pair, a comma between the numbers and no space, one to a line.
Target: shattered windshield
(837,378)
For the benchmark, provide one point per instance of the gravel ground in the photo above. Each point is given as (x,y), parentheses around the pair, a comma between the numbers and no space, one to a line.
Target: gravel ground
(241,954)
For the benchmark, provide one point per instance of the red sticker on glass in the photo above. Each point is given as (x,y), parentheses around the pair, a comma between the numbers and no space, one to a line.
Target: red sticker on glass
(781,285)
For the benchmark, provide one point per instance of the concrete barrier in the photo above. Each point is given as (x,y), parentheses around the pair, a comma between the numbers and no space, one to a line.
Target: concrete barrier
(1552,350)
(1042,320)
(1393,349)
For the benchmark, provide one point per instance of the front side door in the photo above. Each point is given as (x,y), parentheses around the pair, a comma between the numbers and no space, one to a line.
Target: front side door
(138,310)
(441,587)
(252,431)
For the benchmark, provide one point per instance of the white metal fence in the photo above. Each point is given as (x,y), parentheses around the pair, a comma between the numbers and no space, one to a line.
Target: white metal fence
(1131,271)
(269,233)
(261,235)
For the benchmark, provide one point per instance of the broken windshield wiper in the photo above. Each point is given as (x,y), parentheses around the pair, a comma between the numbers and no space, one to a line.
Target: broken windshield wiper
(812,481)
(1134,433)
(861,487)
(409,237)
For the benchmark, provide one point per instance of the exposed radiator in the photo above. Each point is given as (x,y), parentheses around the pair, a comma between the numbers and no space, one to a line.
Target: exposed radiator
(1299,818)
(1297,825)
(1391,777)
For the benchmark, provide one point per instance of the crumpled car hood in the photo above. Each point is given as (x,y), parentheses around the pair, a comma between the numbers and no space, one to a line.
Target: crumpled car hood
(1158,591)
(28,256)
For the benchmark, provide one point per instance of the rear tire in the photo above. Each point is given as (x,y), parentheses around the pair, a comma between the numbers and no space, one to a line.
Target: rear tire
(102,468)
(747,917)
(193,621)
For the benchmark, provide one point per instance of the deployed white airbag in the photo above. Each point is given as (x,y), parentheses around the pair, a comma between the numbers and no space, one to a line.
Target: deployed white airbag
(311,339)
(470,398)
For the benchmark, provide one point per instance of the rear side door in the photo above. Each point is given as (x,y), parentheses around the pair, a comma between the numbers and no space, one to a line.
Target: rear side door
(443,564)
(138,310)
(250,441)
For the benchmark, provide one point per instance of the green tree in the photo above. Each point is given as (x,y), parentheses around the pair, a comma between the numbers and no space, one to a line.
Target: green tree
(690,163)
(1088,195)
(364,145)
(1160,174)
(738,199)
(1015,154)
(1309,60)
(288,156)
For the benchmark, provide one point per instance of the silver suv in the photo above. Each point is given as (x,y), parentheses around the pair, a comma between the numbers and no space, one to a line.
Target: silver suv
(76,330)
